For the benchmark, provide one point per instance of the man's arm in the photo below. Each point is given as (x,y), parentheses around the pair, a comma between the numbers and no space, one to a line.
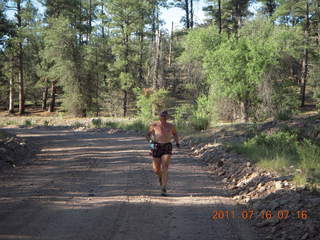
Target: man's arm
(175,135)
(149,132)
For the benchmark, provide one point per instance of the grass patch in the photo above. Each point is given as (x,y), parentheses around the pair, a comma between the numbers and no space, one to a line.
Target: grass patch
(283,152)
(137,125)
(2,134)
(97,123)
(78,125)
(27,123)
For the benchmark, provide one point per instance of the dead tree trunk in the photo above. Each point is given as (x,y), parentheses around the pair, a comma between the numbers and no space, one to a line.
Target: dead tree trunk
(157,61)
(45,95)
(170,45)
(238,18)
(11,91)
(53,97)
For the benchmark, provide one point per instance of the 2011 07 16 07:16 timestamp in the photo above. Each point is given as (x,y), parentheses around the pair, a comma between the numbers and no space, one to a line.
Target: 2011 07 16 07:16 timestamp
(264,214)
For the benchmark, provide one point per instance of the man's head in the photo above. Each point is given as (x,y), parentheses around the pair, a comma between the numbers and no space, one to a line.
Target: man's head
(164,116)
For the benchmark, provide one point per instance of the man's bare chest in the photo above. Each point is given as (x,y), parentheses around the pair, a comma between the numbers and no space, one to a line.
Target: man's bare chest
(163,130)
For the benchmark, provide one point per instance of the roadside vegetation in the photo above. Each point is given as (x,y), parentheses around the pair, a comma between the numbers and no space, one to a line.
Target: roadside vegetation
(285,153)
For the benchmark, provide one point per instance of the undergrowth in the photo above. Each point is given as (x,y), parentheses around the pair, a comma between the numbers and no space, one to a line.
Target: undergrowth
(285,153)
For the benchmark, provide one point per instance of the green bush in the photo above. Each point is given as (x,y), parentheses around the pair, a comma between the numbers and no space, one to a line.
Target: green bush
(97,123)
(111,125)
(151,102)
(283,115)
(77,125)
(283,141)
(181,115)
(27,123)
(46,123)
(200,119)
(200,123)
(138,126)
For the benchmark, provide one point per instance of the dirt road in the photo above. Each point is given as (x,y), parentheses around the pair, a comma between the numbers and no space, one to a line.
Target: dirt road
(94,185)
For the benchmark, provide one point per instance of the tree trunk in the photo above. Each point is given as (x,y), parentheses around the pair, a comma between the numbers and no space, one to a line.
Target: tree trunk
(219,16)
(238,18)
(53,97)
(140,73)
(305,57)
(125,100)
(154,20)
(45,95)
(170,45)
(157,61)
(191,13)
(102,25)
(90,20)
(11,93)
(20,63)
(187,13)
(318,25)
(125,97)
(244,111)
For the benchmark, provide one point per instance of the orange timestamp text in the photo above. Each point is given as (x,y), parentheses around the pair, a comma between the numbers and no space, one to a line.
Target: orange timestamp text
(248,214)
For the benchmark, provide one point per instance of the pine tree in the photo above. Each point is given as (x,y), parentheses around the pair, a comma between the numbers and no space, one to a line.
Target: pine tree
(269,6)
(228,14)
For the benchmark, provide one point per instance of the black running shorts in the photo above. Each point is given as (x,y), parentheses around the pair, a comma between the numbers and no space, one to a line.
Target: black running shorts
(161,149)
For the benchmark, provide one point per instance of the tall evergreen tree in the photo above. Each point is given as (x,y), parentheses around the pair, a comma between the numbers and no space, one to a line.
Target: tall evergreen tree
(228,14)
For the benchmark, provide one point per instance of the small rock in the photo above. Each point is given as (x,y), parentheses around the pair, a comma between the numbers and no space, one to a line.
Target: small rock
(248,164)
(273,221)
(305,236)
(262,224)
(225,180)
(285,183)
(278,185)
(274,204)
(220,163)
(3,150)
(262,189)
(273,229)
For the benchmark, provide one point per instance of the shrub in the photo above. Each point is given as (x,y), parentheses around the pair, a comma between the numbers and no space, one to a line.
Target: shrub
(97,123)
(111,125)
(77,124)
(138,126)
(182,115)
(27,123)
(151,102)
(201,117)
(280,150)
(46,123)
(283,115)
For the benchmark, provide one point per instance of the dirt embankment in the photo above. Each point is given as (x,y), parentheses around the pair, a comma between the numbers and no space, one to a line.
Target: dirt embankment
(280,209)
(14,150)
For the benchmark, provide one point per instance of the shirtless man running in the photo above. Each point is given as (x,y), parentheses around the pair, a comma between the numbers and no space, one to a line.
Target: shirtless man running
(159,134)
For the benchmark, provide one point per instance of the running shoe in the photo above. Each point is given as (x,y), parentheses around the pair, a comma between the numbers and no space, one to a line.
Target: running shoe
(164,191)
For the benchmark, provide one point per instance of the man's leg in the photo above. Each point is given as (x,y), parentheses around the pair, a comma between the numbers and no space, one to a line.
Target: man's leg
(165,161)
(156,166)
